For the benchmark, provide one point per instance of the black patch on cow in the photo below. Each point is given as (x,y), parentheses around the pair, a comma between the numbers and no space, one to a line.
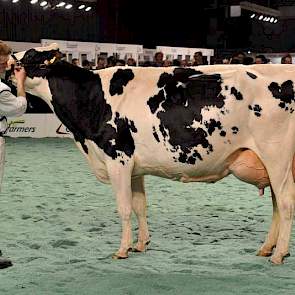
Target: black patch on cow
(285,93)
(256,108)
(79,102)
(119,80)
(251,75)
(235,129)
(222,133)
(236,93)
(155,134)
(226,87)
(211,125)
(155,101)
(181,106)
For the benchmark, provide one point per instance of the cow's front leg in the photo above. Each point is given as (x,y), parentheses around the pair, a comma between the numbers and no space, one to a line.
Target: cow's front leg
(272,237)
(140,208)
(120,177)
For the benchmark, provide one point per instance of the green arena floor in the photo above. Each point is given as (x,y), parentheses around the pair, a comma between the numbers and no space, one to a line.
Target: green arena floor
(60,227)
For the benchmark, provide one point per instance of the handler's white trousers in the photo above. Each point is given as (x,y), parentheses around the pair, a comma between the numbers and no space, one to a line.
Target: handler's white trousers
(2,159)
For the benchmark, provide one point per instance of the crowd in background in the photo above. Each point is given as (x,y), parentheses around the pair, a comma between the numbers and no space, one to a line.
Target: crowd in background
(242,58)
(198,59)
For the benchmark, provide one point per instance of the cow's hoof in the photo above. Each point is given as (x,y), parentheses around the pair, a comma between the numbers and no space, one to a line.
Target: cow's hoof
(141,246)
(264,253)
(118,256)
(122,254)
(278,259)
(5,262)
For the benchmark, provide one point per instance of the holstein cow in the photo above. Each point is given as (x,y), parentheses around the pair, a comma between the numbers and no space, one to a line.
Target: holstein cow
(186,124)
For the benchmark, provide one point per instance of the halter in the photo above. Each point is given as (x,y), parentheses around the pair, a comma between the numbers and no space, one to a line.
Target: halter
(42,66)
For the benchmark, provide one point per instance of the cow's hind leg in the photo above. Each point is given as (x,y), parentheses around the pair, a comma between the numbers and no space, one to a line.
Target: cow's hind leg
(120,177)
(284,190)
(139,206)
(272,237)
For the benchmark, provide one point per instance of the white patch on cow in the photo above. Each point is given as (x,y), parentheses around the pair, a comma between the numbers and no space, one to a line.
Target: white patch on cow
(196,76)
(112,141)
(180,84)
(52,46)
(112,121)
(39,85)
(197,124)
(18,55)
(212,112)
(165,93)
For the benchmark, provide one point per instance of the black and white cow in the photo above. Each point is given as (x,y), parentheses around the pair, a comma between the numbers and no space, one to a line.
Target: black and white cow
(186,124)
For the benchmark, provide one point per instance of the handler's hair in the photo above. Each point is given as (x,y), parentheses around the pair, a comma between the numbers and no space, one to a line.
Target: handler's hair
(4,48)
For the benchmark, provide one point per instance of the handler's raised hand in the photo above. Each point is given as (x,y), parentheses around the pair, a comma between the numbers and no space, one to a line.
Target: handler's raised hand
(20,73)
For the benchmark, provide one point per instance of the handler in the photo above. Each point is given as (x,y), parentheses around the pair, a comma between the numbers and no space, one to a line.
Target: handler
(10,105)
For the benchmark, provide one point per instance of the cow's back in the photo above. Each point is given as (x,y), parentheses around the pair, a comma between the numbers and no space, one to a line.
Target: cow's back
(189,121)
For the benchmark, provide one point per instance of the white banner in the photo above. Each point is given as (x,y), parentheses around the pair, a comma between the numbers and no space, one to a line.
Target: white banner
(36,125)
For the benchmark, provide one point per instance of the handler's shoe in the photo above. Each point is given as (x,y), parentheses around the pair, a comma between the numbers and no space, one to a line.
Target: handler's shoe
(5,262)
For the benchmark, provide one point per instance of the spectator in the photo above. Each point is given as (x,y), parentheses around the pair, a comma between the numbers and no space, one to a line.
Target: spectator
(235,61)
(198,58)
(184,63)
(167,63)
(261,59)
(248,60)
(101,63)
(120,62)
(75,62)
(238,56)
(286,59)
(226,61)
(60,55)
(111,61)
(176,63)
(147,63)
(131,62)
(158,59)
(86,64)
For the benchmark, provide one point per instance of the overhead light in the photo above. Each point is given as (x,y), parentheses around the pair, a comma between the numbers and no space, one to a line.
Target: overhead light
(15,1)
(61,4)
(33,1)
(68,6)
(88,8)
(255,8)
(259,12)
(81,6)
(43,3)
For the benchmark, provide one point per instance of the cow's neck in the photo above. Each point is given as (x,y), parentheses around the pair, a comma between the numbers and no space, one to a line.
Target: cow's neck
(78,101)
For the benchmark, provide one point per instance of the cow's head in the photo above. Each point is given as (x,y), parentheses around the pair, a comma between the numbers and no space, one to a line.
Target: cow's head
(36,63)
